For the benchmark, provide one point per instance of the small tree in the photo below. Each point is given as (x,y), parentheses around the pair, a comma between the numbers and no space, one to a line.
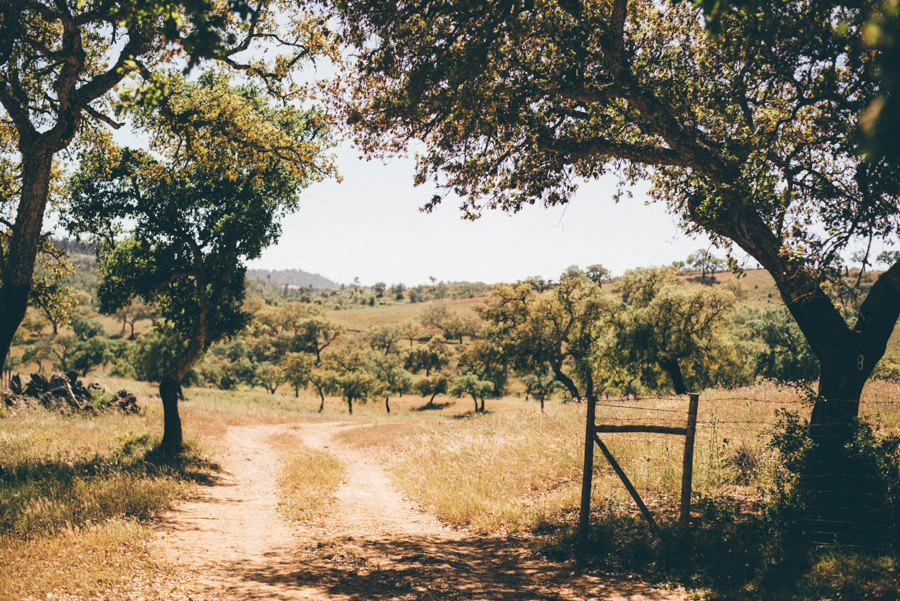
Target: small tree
(351,375)
(325,383)
(296,369)
(427,357)
(433,385)
(269,376)
(669,327)
(785,356)
(598,274)
(390,377)
(315,334)
(383,339)
(705,262)
(411,331)
(470,384)
(540,384)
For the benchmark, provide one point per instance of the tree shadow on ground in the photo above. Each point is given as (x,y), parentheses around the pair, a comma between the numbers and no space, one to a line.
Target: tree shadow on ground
(433,406)
(420,569)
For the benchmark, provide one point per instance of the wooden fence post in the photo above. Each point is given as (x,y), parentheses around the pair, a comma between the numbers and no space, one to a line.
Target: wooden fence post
(584,516)
(687,474)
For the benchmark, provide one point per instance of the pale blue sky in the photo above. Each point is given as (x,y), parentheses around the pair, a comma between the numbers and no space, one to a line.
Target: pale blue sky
(369,226)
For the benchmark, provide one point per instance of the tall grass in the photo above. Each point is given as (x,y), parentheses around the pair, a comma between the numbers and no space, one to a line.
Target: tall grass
(308,480)
(519,470)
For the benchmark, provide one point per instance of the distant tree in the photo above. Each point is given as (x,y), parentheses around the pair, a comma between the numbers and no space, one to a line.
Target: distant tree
(597,273)
(564,328)
(540,384)
(409,330)
(433,385)
(90,353)
(705,262)
(325,383)
(352,377)
(226,166)
(427,357)
(134,312)
(379,289)
(669,326)
(269,376)
(457,327)
(86,329)
(470,384)
(384,339)
(485,357)
(785,356)
(888,257)
(296,369)
(397,290)
(315,334)
(390,377)
(434,315)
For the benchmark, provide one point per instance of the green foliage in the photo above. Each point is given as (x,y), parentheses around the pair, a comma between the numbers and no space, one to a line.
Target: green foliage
(296,369)
(470,384)
(90,353)
(428,357)
(349,375)
(155,351)
(669,331)
(211,201)
(86,329)
(563,328)
(786,356)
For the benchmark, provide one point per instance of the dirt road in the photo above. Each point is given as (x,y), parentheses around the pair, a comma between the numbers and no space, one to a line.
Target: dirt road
(373,545)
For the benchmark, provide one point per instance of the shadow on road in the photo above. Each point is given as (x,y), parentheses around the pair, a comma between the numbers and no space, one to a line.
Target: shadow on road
(426,569)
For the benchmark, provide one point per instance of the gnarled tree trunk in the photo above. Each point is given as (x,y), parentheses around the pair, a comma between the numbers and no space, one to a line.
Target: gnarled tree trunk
(18,263)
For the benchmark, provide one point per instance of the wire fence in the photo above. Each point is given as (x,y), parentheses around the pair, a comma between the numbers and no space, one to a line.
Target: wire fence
(844,506)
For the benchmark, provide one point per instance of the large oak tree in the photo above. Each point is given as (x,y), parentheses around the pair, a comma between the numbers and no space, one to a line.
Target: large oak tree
(751,134)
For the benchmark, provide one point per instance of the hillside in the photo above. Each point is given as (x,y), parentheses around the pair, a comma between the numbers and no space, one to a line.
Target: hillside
(291,277)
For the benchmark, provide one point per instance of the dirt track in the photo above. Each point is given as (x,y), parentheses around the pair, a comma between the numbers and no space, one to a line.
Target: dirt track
(373,545)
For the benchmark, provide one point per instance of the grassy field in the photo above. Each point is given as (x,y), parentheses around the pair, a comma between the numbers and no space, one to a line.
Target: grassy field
(77,494)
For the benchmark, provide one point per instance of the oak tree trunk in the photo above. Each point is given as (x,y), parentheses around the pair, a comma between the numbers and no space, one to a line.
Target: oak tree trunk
(18,264)
(173,439)
(674,370)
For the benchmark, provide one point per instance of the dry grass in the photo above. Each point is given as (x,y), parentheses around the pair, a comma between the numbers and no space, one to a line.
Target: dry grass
(109,561)
(395,314)
(309,478)
(516,470)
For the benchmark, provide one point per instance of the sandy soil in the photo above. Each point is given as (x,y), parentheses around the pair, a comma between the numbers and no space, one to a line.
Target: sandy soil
(373,544)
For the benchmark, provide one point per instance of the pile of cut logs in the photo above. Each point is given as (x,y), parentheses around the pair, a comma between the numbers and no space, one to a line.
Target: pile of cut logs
(65,392)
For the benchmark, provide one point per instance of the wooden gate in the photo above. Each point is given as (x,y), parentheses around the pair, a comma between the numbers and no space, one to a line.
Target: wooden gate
(592,432)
